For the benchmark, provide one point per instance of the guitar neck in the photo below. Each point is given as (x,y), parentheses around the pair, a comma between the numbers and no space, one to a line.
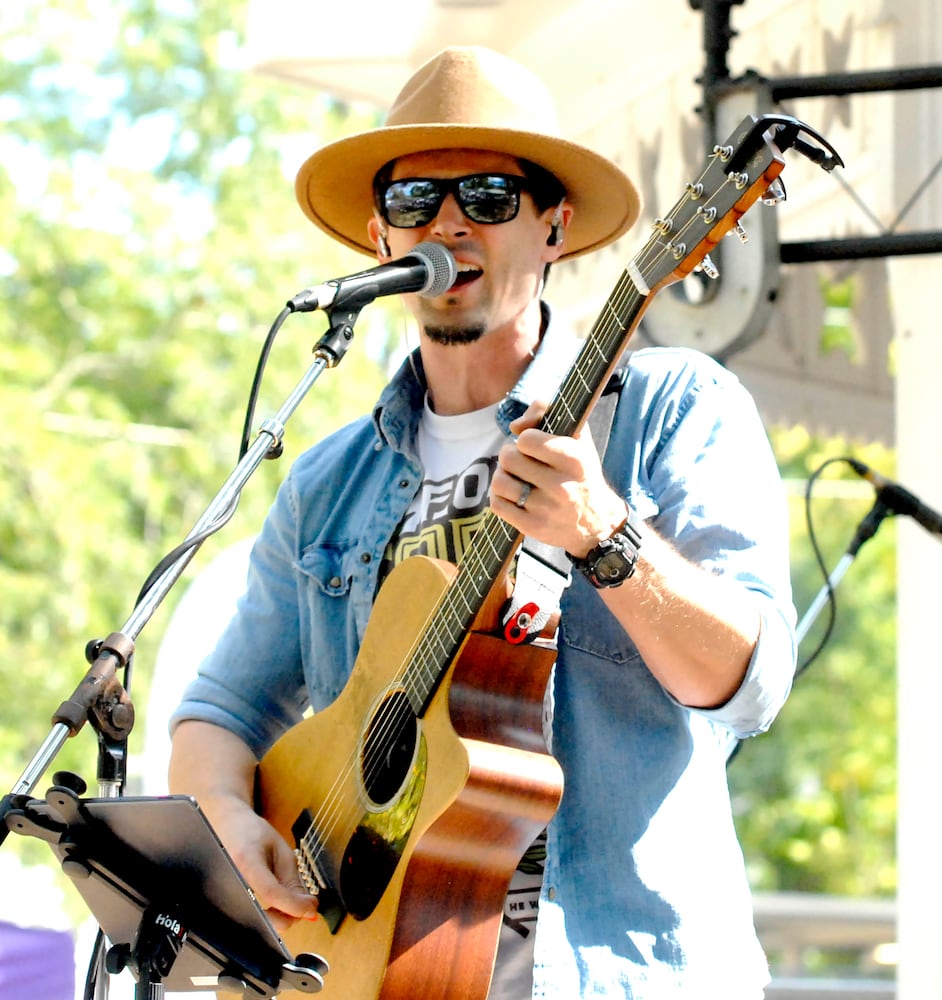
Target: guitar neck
(598,356)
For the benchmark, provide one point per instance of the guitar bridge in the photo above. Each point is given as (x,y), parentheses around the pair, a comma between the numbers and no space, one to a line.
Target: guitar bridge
(329,904)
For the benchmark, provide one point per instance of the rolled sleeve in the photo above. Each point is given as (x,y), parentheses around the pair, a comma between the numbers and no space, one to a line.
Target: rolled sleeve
(767,682)
(710,485)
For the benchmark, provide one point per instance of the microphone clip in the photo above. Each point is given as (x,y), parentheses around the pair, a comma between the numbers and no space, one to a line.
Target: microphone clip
(338,337)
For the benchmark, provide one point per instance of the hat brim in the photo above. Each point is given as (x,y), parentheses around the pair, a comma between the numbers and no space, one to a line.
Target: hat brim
(334,186)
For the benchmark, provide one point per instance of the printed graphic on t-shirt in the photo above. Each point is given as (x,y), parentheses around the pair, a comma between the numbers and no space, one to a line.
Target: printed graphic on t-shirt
(444,516)
(523,896)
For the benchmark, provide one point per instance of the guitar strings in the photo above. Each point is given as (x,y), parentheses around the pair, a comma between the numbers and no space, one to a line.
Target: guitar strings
(611,323)
(624,292)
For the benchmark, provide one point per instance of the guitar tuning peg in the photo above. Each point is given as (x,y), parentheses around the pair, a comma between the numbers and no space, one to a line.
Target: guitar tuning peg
(707,267)
(741,233)
(775,193)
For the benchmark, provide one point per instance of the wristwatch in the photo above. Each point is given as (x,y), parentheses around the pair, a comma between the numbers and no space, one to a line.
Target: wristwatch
(613,560)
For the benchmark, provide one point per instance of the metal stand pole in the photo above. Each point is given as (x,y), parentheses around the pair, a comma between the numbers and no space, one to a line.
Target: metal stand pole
(100,697)
(99,693)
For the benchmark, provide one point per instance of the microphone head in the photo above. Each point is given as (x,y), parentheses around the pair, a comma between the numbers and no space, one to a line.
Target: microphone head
(442,269)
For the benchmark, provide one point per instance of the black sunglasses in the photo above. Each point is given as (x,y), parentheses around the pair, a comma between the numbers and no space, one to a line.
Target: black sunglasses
(485,198)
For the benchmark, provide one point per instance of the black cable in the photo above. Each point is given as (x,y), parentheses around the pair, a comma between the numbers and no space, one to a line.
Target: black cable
(257,380)
(819,558)
(190,543)
(832,599)
(94,964)
(98,948)
(171,557)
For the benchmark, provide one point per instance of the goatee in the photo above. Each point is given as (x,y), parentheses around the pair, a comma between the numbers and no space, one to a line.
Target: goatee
(455,334)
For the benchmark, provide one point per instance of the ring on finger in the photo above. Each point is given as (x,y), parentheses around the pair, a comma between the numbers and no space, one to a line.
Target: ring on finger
(521,501)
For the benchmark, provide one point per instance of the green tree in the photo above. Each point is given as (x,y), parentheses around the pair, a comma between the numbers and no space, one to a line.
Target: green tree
(148,238)
(816,796)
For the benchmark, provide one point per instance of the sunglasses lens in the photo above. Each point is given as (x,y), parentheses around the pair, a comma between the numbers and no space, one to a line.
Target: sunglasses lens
(485,198)
(489,198)
(411,203)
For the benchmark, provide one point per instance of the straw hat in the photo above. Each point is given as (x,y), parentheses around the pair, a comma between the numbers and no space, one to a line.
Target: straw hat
(467,98)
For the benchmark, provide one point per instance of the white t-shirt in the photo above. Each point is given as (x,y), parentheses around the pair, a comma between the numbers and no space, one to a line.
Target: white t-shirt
(459,455)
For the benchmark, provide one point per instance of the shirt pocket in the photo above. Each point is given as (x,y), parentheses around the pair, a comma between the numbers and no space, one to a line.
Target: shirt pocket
(329,568)
(325,581)
(588,626)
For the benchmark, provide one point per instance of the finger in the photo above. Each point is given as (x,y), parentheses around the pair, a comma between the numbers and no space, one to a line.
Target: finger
(283,923)
(285,891)
(285,902)
(530,417)
(547,459)
(507,477)
(512,486)
(268,865)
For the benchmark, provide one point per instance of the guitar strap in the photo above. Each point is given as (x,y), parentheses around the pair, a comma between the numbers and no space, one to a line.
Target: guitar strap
(543,571)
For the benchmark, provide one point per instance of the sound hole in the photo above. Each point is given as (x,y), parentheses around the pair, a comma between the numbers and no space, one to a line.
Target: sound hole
(389,748)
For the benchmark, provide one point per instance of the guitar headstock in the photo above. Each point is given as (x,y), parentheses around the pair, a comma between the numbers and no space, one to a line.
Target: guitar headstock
(739,172)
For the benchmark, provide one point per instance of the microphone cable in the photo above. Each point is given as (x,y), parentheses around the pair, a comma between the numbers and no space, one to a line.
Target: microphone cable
(819,559)
(226,515)
(257,380)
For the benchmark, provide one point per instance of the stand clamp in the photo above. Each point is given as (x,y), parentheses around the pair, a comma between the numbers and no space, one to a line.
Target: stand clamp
(100,693)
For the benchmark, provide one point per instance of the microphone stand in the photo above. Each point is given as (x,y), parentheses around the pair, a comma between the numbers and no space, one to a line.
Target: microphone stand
(865,531)
(100,697)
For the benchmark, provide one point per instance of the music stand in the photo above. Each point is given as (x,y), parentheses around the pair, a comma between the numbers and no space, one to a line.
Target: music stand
(166,894)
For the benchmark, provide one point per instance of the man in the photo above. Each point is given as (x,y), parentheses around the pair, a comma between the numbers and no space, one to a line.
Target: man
(644,893)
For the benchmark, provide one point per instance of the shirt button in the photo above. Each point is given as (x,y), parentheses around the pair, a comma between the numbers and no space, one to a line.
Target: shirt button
(366,558)
(403,483)
(335,581)
(551,892)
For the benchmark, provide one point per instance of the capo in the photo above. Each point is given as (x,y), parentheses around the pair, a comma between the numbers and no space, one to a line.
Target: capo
(787,134)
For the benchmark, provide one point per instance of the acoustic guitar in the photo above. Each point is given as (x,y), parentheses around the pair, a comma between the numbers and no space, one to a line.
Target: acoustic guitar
(410,800)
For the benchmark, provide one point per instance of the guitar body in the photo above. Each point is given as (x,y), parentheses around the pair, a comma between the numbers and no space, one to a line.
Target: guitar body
(415,828)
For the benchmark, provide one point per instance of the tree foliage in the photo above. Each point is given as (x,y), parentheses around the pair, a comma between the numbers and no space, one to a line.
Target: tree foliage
(149,238)
(816,796)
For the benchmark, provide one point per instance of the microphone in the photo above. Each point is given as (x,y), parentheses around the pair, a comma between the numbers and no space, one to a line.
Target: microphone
(897,499)
(428,269)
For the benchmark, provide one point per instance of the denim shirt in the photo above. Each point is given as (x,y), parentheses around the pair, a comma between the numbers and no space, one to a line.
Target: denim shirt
(645,893)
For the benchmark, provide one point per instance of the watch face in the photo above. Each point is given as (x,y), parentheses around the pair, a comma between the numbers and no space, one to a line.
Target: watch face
(613,566)
(613,560)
